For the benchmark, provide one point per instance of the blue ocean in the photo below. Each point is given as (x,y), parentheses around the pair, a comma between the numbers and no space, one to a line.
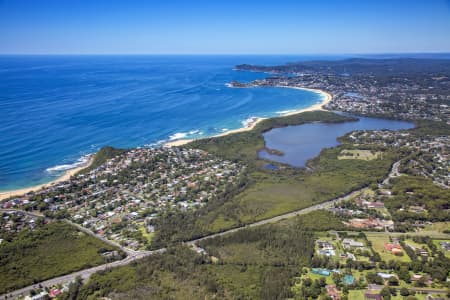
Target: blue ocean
(57,109)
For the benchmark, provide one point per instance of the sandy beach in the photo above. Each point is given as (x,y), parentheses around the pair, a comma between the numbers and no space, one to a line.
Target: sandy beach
(319,106)
(66,176)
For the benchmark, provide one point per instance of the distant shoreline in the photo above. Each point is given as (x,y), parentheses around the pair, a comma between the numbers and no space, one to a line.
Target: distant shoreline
(327,97)
(64,177)
(69,173)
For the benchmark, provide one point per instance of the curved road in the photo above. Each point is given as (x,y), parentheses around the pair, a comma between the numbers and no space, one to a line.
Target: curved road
(394,172)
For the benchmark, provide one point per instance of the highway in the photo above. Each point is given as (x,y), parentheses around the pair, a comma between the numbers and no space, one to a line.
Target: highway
(84,274)
(292,214)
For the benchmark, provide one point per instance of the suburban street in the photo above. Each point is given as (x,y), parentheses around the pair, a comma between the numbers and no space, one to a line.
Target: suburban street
(31,214)
(129,252)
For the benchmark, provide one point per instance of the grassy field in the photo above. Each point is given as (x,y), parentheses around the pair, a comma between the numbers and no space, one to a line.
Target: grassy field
(378,241)
(356,294)
(436,242)
(145,234)
(359,294)
(417,245)
(41,254)
(437,227)
(359,154)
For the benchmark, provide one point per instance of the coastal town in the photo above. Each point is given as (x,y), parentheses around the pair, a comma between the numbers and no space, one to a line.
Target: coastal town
(225,150)
(392,237)
(120,199)
(421,94)
(429,156)
(13,222)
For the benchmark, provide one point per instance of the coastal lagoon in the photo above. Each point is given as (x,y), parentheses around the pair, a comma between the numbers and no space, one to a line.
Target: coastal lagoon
(303,142)
(55,109)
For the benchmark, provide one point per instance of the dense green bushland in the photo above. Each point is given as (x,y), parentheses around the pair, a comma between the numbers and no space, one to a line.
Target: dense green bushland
(272,245)
(181,273)
(102,156)
(319,220)
(255,263)
(430,128)
(45,252)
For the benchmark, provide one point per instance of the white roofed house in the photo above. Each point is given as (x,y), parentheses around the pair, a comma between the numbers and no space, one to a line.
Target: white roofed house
(351,243)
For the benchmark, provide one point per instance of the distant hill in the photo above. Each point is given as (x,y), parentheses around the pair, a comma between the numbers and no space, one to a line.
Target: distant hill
(357,66)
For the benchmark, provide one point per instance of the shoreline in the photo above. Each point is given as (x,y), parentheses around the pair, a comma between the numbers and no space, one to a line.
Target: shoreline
(180,142)
(327,97)
(64,177)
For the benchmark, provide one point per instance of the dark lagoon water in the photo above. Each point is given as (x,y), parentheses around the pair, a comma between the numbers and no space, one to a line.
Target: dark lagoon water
(303,142)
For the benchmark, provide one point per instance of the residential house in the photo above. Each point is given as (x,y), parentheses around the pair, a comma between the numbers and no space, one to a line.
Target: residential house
(394,248)
(333,292)
(373,293)
(351,243)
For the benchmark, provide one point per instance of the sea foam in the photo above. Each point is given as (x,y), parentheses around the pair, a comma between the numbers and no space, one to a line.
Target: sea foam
(178,136)
(247,122)
(283,112)
(65,167)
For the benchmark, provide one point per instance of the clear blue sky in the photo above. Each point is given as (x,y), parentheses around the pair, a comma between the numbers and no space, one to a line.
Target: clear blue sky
(223,26)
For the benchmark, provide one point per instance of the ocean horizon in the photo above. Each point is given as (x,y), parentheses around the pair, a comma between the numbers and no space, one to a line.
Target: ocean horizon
(58,109)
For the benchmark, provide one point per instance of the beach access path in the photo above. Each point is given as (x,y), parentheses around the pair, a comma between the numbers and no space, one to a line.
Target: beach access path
(135,255)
